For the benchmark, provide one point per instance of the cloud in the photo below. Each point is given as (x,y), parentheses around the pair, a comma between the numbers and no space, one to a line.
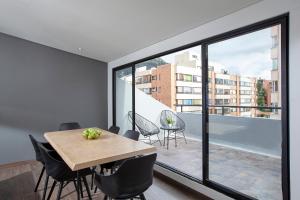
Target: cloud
(246,55)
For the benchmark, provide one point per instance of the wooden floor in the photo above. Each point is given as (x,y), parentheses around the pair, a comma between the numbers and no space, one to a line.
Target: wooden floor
(17,182)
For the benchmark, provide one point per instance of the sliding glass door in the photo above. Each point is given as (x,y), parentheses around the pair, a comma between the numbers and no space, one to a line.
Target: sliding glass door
(244,113)
(172,83)
(231,94)
(123,98)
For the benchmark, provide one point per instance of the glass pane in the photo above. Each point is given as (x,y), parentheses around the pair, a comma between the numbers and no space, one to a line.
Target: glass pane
(172,82)
(123,98)
(245,114)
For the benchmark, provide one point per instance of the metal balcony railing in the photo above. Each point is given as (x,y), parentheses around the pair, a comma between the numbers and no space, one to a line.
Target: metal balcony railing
(268,109)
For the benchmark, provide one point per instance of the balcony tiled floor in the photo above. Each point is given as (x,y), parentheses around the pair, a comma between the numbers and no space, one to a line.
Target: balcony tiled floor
(253,174)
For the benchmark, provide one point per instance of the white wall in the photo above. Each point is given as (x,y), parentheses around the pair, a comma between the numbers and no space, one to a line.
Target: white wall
(252,14)
(145,105)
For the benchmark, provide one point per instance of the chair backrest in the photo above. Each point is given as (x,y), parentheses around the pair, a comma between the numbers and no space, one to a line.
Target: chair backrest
(55,166)
(69,126)
(133,177)
(114,129)
(145,126)
(168,114)
(35,145)
(134,135)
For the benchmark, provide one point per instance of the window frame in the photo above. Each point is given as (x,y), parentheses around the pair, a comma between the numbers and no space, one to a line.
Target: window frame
(282,20)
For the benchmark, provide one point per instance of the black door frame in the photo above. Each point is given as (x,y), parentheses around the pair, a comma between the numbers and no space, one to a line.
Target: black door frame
(283,20)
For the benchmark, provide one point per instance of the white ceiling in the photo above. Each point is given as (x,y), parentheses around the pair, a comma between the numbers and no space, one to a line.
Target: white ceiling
(108,29)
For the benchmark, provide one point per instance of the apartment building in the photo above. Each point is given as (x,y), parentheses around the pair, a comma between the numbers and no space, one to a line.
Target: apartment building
(276,70)
(179,87)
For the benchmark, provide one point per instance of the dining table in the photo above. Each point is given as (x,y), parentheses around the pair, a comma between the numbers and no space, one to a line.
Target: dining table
(80,153)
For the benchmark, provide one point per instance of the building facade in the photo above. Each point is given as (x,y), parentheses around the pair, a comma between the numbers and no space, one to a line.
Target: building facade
(179,86)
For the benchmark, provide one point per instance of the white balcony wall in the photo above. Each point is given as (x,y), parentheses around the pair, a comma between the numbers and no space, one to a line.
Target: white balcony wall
(145,105)
(257,135)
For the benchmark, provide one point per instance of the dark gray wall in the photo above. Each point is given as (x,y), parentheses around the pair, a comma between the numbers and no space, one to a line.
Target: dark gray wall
(41,87)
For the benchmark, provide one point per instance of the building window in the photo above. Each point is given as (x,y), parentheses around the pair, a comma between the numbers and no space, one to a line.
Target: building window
(245,84)
(219,101)
(219,81)
(146,79)
(184,77)
(197,79)
(154,89)
(147,90)
(154,77)
(226,91)
(245,92)
(197,90)
(219,91)
(187,90)
(197,101)
(226,101)
(245,100)
(138,80)
(274,86)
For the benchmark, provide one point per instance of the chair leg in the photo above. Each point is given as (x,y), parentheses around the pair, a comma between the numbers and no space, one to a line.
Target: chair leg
(75,185)
(80,188)
(40,177)
(175,138)
(92,181)
(142,196)
(95,189)
(87,187)
(61,185)
(164,137)
(184,137)
(158,140)
(51,190)
(150,140)
(45,188)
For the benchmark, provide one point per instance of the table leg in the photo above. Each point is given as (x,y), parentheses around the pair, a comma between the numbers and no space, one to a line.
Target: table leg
(164,136)
(78,185)
(168,139)
(175,139)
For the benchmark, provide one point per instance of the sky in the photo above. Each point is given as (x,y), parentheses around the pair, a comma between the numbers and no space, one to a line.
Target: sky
(247,55)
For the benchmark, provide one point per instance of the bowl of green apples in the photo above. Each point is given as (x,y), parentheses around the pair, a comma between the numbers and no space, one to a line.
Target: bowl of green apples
(91,133)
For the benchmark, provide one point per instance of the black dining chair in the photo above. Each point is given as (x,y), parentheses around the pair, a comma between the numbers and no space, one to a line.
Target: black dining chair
(131,134)
(39,157)
(134,135)
(107,166)
(61,173)
(69,126)
(130,180)
(114,129)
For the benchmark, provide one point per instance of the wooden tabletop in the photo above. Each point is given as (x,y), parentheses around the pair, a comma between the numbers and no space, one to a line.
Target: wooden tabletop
(80,153)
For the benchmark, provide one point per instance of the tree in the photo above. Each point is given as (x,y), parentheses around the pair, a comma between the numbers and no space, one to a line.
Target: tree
(261,93)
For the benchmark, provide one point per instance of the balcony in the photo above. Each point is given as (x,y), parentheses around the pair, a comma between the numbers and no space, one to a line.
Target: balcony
(244,150)
(244,153)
